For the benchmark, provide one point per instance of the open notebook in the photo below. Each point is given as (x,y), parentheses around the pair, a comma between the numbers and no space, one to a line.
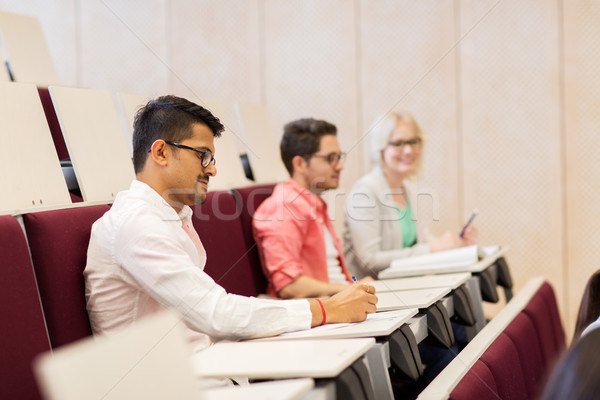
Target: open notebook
(455,258)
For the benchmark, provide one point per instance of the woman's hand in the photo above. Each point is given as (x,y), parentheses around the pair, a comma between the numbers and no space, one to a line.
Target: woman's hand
(451,240)
(470,236)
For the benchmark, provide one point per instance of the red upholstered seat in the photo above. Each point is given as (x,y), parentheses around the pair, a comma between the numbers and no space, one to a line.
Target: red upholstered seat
(525,338)
(251,197)
(478,383)
(502,358)
(518,360)
(248,199)
(218,224)
(23,334)
(539,312)
(559,334)
(58,241)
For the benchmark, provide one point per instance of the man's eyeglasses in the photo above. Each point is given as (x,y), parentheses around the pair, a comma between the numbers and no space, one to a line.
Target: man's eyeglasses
(412,143)
(331,158)
(205,156)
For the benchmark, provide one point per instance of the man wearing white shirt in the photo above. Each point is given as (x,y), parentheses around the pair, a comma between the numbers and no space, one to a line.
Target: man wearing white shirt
(144,254)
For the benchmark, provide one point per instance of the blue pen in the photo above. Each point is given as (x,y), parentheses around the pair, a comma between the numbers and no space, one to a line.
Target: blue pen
(471,218)
(354,279)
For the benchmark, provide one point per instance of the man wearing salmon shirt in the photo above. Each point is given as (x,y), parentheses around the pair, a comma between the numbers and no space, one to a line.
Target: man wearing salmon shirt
(300,252)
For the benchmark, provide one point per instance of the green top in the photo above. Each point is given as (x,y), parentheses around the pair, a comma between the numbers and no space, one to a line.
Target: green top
(407,225)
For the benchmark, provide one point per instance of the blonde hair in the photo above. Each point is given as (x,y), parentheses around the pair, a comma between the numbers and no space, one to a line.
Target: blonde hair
(381,129)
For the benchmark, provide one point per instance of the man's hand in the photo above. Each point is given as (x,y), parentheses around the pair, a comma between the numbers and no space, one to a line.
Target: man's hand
(350,305)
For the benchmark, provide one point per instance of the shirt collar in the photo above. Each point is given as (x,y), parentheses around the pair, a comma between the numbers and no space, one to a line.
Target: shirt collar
(291,186)
(150,195)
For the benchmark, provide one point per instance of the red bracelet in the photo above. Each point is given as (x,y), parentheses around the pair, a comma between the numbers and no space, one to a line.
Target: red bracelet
(323,311)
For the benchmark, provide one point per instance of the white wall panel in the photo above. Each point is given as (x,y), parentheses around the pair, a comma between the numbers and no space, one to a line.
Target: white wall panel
(310,71)
(511,140)
(124,46)
(408,63)
(582,123)
(215,49)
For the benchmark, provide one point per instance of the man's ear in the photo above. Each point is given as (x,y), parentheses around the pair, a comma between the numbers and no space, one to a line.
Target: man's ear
(160,152)
(300,164)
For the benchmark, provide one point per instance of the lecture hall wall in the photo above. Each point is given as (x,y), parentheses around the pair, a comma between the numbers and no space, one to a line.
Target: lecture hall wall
(507,92)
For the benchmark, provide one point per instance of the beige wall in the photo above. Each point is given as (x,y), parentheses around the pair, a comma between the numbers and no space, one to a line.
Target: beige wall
(580,145)
(507,92)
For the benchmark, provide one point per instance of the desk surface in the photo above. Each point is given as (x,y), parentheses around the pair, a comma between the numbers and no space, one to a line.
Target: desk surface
(288,389)
(435,269)
(419,298)
(377,324)
(421,282)
(325,358)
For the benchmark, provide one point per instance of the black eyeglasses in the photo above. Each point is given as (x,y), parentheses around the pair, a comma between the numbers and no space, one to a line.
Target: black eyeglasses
(412,143)
(205,156)
(332,158)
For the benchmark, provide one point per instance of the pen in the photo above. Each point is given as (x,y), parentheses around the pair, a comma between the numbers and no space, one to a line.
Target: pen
(471,218)
(354,279)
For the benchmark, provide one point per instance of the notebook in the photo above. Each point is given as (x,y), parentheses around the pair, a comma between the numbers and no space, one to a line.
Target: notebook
(450,259)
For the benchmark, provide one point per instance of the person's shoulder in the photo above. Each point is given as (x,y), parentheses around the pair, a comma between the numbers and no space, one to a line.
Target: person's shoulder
(287,195)
(268,204)
(369,184)
(134,212)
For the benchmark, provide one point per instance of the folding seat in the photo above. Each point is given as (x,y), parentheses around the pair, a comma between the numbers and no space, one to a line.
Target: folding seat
(23,330)
(218,224)
(478,383)
(58,241)
(517,360)
(539,313)
(559,334)
(502,358)
(248,200)
(525,338)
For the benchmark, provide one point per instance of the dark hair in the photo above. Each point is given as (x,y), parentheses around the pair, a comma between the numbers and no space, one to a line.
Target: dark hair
(168,118)
(589,308)
(575,375)
(303,138)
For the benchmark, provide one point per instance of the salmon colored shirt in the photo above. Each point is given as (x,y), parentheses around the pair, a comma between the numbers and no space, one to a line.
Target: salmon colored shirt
(288,229)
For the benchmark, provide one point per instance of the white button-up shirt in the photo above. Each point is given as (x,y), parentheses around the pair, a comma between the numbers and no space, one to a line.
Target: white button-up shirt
(140,260)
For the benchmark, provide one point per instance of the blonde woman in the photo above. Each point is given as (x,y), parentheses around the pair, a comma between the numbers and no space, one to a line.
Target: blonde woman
(380,224)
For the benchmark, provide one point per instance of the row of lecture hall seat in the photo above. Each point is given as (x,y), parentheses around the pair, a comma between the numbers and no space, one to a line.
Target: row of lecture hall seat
(73,145)
(43,303)
(25,59)
(511,357)
(77,117)
(50,259)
